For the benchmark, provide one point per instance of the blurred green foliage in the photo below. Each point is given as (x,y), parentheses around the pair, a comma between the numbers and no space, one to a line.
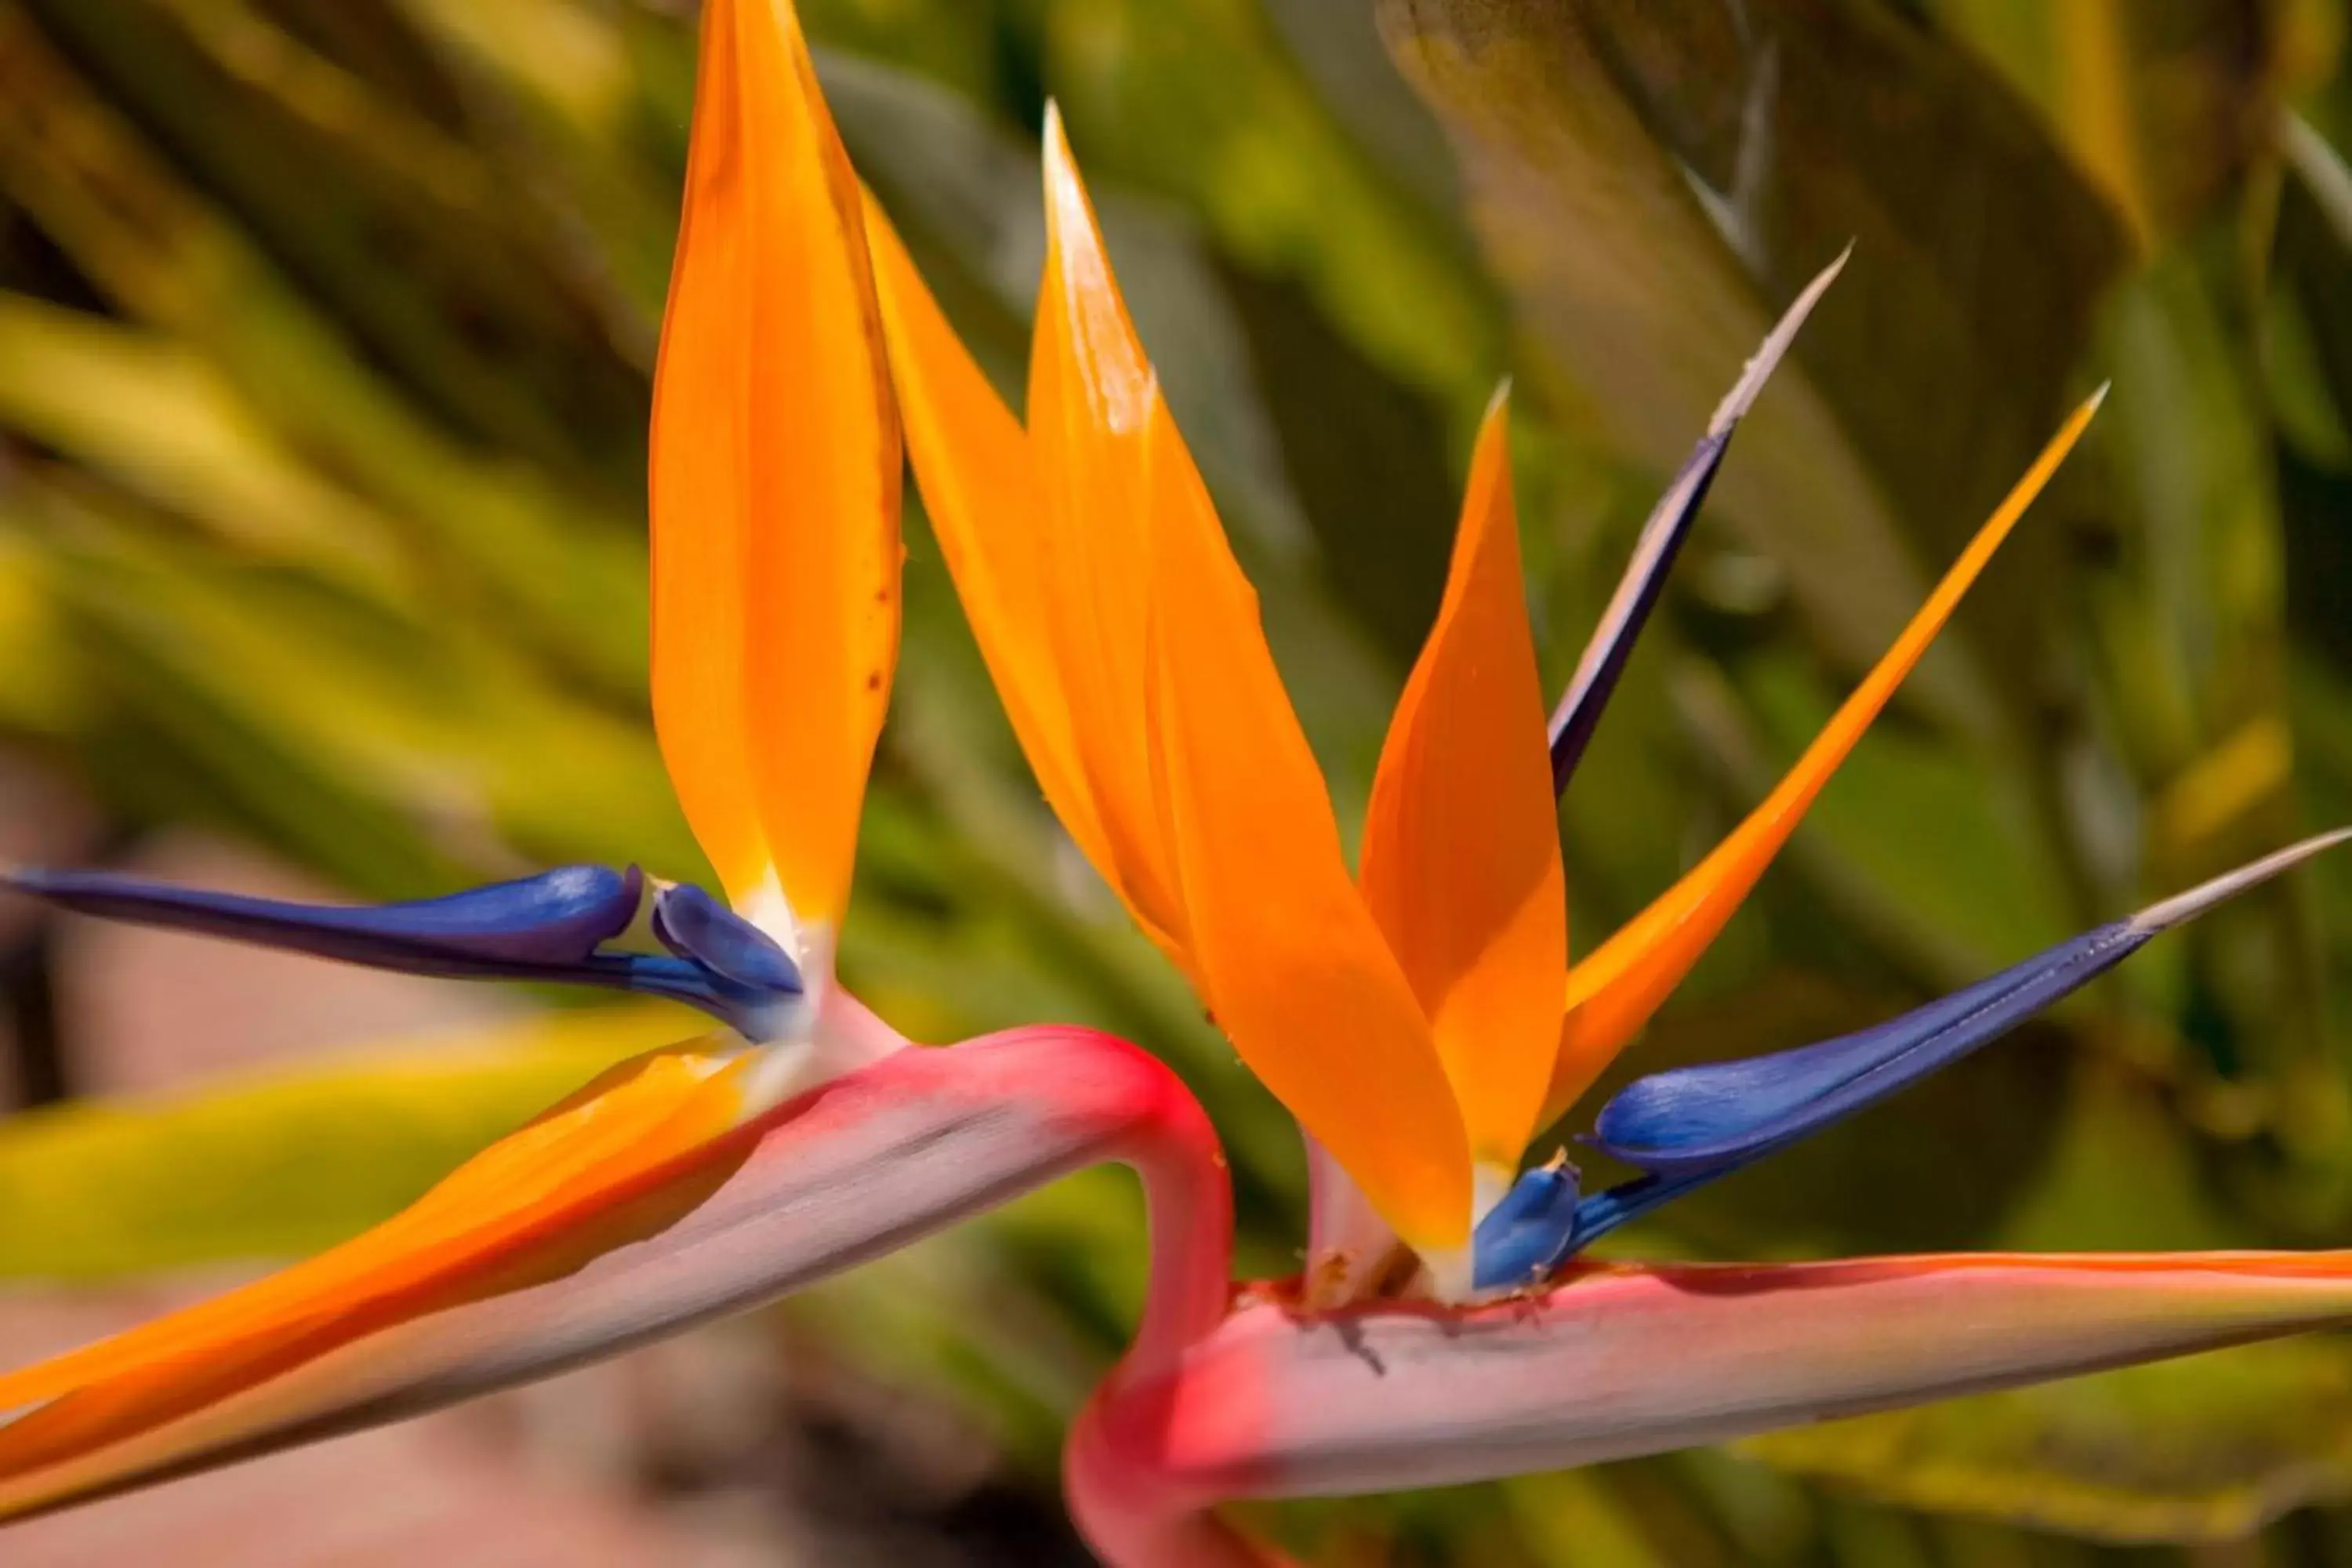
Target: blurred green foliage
(325,328)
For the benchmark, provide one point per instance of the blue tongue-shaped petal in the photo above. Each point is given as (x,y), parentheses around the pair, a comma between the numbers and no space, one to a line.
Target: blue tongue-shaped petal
(1520,1235)
(1690,1125)
(518,928)
(548,928)
(1696,1117)
(694,925)
(1726,1113)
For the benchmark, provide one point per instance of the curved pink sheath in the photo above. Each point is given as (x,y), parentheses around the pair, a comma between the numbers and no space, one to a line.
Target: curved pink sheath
(1623,1361)
(849,1171)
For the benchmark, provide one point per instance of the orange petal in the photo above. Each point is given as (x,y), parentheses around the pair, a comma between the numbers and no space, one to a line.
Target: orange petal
(776,472)
(1284,948)
(1090,393)
(981,488)
(1461,858)
(1612,993)
(590,1174)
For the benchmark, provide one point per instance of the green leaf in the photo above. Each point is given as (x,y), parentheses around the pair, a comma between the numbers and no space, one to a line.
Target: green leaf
(337,140)
(1201,103)
(572,579)
(163,424)
(289,1163)
(1653,182)
(2165,106)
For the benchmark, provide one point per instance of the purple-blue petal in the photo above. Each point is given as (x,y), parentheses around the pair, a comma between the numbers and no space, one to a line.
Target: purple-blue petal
(1697,1118)
(694,925)
(1662,536)
(1661,540)
(523,926)
(1521,1235)
(550,928)
(1725,1114)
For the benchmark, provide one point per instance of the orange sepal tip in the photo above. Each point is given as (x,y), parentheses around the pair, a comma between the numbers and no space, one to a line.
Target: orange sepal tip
(1616,988)
(1461,853)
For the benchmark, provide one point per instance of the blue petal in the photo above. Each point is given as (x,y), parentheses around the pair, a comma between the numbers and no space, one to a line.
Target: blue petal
(514,928)
(694,925)
(549,927)
(1697,1118)
(1686,1127)
(1727,1113)
(1605,657)
(1520,1235)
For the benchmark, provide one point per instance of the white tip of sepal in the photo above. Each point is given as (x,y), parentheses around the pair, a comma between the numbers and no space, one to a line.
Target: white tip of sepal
(832,1037)
(766,907)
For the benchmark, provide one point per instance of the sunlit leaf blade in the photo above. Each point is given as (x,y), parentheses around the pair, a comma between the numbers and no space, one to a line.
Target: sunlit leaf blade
(1461,859)
(711,1225)
(1207,104)
(1612,992)
(774,479)
(1644,307)
(2167,107)
(153,415)
(264,107)
(1641,177)
(565,579)
(1661,540)
(293,1162)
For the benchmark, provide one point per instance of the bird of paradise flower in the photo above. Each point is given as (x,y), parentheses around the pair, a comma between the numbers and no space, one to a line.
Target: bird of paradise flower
(1419,1016)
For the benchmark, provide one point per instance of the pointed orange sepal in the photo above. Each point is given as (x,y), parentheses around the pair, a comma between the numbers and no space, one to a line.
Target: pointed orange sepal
(1090,391)
(775,468)
(1612,993)
(1283,945)
(1461,857)
(589,1174)
(1124,639)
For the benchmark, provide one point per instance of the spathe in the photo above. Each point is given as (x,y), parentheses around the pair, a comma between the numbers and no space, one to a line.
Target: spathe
(852,1169)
